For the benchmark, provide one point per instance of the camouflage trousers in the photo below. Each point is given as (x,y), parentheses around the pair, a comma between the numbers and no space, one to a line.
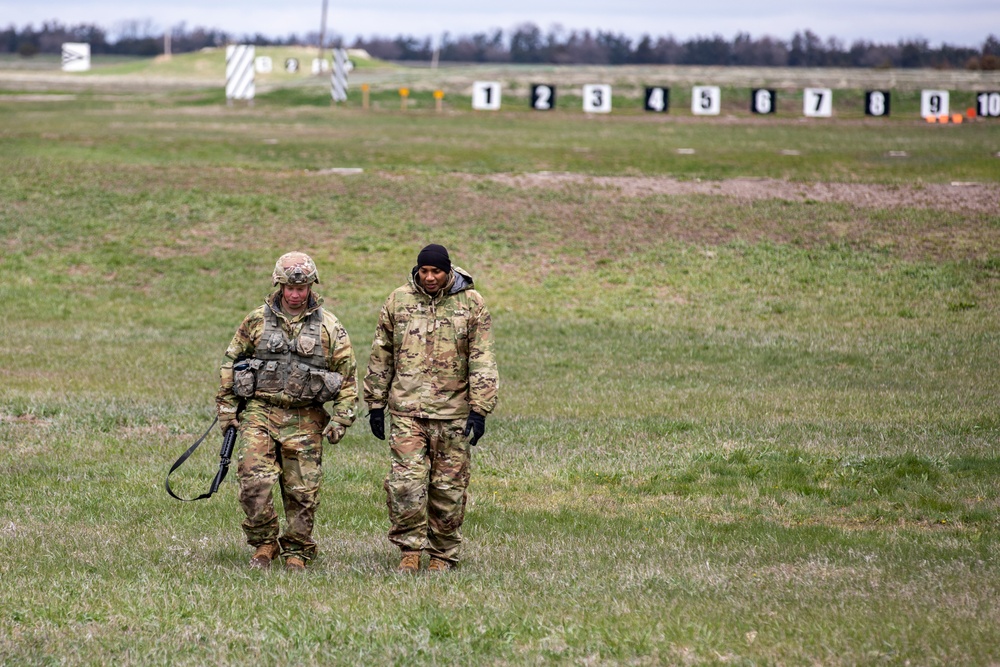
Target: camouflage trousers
(426,485)
(281,446)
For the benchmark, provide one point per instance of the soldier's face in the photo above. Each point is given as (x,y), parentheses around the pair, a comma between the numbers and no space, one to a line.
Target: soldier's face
(431,278)
(295,296)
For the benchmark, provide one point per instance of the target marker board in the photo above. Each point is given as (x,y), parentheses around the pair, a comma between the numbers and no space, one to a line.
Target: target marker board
(263,64)
(657,99)
(877,102)
(933,103)
(291,65)
(75,57)
(543,97)
(486,95)
(817,102)
(763,101)
(706,100)
(597,98)
(988,104)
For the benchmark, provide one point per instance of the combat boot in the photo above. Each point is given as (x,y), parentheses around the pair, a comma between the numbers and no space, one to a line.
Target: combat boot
(410,562)
(295,564)
(264,555)
(439,565)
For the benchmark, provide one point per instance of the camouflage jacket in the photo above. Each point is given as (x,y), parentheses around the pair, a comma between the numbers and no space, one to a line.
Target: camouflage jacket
(336,349)
(432,357)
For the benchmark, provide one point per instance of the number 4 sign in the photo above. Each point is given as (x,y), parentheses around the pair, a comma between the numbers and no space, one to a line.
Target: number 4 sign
(657,99)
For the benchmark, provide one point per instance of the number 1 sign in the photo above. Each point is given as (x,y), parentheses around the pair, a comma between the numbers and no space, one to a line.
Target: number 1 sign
(486,95)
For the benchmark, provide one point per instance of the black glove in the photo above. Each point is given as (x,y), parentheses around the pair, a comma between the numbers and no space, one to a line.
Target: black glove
(376,419)
(476,426)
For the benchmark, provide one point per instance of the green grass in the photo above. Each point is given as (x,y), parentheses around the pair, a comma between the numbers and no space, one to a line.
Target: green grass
(730,431)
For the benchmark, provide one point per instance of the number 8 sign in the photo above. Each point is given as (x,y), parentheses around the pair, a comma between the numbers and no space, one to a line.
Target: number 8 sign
(877,102)
(597,98)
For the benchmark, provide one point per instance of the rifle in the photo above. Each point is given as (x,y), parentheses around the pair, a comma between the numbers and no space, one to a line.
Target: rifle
(225,454)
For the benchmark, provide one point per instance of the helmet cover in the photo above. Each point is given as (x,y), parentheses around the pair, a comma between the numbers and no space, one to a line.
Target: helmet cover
(295,268)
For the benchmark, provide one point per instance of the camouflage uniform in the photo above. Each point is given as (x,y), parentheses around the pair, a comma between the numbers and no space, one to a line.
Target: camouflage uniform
(280,434)
(431,362)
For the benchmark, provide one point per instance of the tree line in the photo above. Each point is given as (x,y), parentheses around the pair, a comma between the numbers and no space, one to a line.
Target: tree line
(527,43)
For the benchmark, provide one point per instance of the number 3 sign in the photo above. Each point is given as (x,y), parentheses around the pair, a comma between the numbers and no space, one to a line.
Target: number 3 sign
(597,98)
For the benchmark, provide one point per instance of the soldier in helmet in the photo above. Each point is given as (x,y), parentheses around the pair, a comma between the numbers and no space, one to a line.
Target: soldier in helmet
(292,367)
(432,365)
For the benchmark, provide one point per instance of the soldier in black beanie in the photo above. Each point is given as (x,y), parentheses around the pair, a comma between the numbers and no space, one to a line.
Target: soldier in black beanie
(432,369)
(435,255)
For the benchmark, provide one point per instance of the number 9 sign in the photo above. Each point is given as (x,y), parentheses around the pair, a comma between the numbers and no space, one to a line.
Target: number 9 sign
(933,103)
(597,98)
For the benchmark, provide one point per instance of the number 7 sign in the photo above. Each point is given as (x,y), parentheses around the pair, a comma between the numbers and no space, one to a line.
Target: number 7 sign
(817,102)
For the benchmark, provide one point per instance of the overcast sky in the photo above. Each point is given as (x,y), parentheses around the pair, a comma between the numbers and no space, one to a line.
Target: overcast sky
(956,22)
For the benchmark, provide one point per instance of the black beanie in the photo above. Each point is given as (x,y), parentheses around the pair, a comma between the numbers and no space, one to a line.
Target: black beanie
(435,255)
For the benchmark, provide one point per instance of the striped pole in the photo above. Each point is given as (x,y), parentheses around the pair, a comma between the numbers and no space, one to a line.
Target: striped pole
(239,72)
(338,79)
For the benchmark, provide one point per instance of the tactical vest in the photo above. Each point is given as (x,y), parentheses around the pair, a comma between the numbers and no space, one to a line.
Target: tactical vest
(295,368)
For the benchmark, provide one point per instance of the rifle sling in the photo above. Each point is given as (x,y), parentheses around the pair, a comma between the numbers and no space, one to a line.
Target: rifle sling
(219,476)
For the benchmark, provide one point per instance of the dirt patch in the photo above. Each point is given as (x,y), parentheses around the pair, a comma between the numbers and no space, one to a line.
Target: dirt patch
(965,197)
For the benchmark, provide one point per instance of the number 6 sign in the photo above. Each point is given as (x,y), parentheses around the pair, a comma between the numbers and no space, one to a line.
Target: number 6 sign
(597,98)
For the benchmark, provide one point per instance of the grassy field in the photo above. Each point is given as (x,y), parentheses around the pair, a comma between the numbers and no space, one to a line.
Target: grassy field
(753,428)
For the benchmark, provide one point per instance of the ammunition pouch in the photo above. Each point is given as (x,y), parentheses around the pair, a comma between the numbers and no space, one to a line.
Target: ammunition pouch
(303,383)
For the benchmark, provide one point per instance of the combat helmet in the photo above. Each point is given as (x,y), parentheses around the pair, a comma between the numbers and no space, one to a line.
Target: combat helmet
(295,268)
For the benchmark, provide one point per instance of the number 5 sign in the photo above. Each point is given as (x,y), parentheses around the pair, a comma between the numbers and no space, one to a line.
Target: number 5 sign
(597,98)
(706,100)
(486,95)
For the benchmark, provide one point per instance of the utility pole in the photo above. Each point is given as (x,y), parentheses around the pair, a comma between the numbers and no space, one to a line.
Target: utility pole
(322,30)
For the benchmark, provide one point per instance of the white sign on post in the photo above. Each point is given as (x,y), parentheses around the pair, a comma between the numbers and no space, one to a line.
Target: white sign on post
(239,72)
(75,57)
(486,95)
(597,98)
(320,65)
(263,64)
(817,102)
(933,103)
(706,100)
